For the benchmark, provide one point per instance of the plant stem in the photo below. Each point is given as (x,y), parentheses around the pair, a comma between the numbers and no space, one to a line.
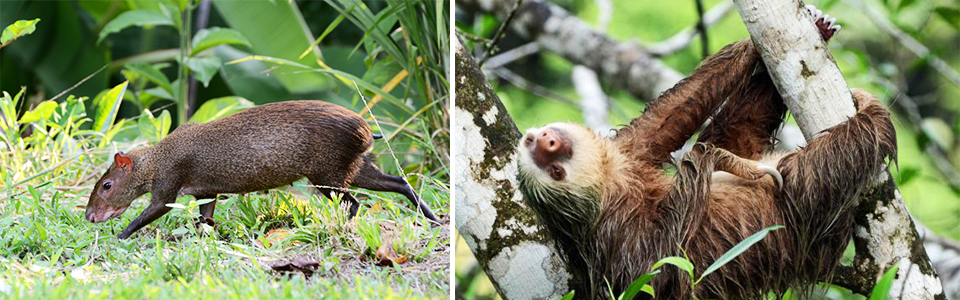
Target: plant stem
(183,72)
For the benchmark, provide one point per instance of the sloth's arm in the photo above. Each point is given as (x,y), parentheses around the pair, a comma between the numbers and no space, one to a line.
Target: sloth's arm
(674,117)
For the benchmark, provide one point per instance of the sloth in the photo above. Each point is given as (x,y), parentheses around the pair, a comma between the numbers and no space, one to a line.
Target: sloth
(613,210)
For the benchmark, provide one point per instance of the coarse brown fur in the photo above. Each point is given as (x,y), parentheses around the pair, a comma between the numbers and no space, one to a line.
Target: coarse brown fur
(260,148)
(614,212)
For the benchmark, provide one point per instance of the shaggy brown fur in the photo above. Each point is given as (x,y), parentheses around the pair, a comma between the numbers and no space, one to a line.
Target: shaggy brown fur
(260,148)
(622,213)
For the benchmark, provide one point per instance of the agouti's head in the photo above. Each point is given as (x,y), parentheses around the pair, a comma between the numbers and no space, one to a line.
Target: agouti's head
(110,197)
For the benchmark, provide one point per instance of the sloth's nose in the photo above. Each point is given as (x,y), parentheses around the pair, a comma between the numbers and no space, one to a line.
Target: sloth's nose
(549,142)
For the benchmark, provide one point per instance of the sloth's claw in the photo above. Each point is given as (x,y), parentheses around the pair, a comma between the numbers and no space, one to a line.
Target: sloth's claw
(777,178)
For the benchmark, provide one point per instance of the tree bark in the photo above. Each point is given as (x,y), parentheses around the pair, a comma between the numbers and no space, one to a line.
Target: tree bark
(813,88)
(517,253)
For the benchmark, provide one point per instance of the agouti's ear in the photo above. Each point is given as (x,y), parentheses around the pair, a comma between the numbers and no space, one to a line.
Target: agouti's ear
(123,162)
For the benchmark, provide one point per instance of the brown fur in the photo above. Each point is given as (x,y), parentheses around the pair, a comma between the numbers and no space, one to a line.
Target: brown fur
(615,232)
(260,148)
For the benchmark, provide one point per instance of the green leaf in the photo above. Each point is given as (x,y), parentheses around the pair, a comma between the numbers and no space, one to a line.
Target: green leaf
(204,68)
(18,29)
(949,14)
(276,30)
(214,36)
(154,129)
(882,289)
(162,125)
(738,249)
(220,107)
(41,112)
(152,73)
(134,18)
(180,230)
(107,108)
(637,285)
(649,290)
(679,262)
(382,71)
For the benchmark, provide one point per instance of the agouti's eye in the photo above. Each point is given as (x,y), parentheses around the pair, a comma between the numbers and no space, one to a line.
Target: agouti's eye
(106,186)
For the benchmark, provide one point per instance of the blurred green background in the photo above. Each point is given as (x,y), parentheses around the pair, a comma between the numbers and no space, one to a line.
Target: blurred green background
(868,58)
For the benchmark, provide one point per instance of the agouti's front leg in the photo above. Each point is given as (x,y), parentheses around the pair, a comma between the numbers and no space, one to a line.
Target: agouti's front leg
(158,207)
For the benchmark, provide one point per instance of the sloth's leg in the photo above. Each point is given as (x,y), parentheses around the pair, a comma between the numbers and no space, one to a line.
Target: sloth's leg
(728,162)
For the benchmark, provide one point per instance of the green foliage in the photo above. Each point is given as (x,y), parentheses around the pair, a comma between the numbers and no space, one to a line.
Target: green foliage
(218,108)
(18,29)
(107,107)
(738,249)
(882,289)
(132,18)
(215,36)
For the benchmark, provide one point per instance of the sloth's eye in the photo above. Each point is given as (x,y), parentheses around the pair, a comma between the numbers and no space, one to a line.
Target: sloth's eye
(556,172)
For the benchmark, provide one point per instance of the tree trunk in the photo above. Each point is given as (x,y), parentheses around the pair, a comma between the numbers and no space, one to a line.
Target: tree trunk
(515,251)
(813,88)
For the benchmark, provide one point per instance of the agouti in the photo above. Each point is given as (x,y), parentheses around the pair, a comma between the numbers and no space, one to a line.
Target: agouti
(260,148)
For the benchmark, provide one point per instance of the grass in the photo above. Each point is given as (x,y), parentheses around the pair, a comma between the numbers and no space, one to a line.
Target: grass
(47,249)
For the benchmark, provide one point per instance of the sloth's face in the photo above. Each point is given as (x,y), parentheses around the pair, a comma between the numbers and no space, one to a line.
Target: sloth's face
(561,155)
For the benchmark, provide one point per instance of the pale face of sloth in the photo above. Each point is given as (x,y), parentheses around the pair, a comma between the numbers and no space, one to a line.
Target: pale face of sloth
(563,156)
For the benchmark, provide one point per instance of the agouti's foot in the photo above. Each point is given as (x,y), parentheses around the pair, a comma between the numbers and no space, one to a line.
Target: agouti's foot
(826,24)
(208,221)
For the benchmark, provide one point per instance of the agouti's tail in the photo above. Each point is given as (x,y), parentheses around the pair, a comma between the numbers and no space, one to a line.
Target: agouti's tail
(377,136)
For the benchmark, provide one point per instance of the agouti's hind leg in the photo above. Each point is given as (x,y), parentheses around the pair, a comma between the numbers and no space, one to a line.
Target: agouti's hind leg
(347,197)
(206,211)
(371,178)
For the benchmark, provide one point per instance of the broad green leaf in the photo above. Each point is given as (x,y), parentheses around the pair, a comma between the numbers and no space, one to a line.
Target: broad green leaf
(649,290)
(637,285)
(204,68)
(154,129)
(220,107)
(107,137)
(276,30)
(41,112)
(162,125)
(59,52)
(882,289)
(157,92)
(679,262)
(18,29)
(134,18)
(182,4)
(382,71)
(152,73)
(738,249)
(107,108)
(214,36)
(568,296)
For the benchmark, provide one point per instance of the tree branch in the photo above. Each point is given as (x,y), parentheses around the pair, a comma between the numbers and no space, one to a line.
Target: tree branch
(813,88)
(626,65)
